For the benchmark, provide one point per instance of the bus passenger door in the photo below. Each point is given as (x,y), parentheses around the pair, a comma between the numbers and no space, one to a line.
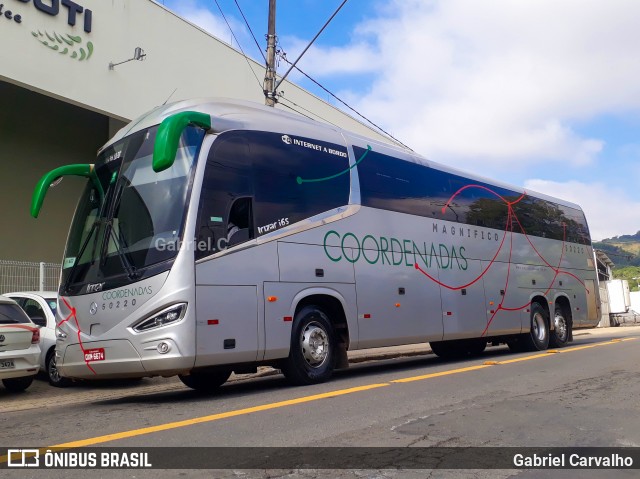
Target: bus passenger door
(227,324)
(464,314)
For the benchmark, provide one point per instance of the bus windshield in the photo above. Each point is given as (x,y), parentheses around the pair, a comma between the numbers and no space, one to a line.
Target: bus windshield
(115,239)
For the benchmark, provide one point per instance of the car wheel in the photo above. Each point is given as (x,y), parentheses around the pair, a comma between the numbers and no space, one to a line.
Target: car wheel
(313,355)
(55,379)
(205,382)
(18,384)
(561,333)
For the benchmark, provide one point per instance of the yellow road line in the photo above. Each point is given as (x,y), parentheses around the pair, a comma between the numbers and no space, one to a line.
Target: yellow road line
(442,373)
(199,420)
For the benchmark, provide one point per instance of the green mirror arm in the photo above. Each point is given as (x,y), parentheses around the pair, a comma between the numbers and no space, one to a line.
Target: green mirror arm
(169,133)
(42,187)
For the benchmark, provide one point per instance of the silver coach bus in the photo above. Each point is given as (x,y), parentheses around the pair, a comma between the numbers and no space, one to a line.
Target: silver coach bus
(217,236)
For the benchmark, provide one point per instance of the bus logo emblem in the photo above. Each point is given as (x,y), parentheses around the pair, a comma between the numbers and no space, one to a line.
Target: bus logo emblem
(93,309)
(287,139)
(94,288)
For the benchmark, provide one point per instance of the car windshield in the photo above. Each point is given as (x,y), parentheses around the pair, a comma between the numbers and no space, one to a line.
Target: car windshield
(12,314)
(116,231)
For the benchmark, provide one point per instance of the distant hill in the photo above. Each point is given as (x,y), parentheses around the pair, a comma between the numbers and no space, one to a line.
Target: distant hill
(623,250)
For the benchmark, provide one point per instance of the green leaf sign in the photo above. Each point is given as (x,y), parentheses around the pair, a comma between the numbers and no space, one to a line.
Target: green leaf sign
(65,44)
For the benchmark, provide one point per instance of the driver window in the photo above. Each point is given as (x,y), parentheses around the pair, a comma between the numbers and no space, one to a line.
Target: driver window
(240,224)
(226,209)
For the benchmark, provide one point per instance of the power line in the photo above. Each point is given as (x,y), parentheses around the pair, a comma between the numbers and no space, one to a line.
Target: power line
(249,27)
(284,57)
(298,112)
(239,46)
(282,98)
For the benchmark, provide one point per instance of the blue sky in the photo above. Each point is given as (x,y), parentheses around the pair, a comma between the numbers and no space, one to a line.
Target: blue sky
(537,93)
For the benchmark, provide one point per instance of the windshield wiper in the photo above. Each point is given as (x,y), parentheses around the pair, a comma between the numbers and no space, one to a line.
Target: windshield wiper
(127,265)
(99,220)
(67,283)
(125,259)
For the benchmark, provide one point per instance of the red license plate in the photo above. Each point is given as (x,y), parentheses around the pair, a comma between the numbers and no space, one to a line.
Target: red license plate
(94,354)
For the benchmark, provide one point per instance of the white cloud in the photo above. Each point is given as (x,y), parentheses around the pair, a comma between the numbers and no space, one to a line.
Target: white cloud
(497,82)
(207,20)
(609,211)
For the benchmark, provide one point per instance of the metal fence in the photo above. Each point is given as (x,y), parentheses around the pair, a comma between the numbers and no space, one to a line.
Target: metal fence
(27,276)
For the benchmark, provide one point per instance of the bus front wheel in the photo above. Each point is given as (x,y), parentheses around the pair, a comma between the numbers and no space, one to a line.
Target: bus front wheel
(205,382)
(312,356)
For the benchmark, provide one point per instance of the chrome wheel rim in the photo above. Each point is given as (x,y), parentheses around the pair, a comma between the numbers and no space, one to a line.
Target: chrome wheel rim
(539,327)
(314,343)
(560,325)
(53,370)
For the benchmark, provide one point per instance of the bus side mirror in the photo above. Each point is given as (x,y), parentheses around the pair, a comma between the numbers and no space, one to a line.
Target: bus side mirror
(53,176)
(169,133)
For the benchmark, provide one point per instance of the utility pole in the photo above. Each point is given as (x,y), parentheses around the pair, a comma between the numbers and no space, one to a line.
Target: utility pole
(270,74)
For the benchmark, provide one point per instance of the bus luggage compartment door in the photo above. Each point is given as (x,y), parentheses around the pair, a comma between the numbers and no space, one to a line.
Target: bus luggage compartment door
(227,325)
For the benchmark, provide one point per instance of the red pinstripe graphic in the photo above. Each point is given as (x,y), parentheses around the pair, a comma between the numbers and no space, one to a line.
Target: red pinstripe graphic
(509,229)
(19,326)
(72,314)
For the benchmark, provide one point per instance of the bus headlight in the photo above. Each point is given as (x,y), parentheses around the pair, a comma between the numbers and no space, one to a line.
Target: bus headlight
(166,316)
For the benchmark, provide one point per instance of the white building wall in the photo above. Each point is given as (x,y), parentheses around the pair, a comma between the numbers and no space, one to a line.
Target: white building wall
(180,57)
(56,109)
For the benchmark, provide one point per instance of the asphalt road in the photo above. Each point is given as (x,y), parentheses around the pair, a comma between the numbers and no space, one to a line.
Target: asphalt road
(585,395)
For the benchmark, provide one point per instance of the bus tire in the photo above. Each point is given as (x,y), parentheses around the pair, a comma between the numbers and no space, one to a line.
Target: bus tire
(205,382)
(561,333)
(447,349)
(537,339)
(475,347)
(460,348)
(313,351)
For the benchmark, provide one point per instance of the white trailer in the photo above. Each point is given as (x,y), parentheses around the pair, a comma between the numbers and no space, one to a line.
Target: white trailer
(619,298)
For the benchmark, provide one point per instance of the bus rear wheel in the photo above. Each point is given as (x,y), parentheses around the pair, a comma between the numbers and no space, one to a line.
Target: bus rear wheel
(537,339)
(313,355)
(205,382)
(561,333)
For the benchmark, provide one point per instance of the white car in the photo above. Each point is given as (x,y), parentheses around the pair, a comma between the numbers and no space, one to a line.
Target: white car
(41,307)
(19,347)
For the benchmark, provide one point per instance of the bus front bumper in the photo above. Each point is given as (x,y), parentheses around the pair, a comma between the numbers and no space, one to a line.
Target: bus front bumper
(119,359)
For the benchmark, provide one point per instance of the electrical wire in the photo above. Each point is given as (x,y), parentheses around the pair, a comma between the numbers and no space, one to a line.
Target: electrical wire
(284,57)
(249,27)
(298,112)
(282,98)
(239,46)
